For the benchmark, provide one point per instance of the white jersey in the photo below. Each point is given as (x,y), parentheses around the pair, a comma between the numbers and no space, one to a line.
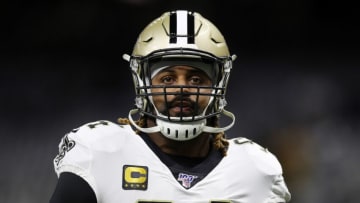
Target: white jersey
(120,167)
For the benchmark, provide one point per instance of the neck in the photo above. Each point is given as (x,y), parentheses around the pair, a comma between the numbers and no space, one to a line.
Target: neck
(194,148)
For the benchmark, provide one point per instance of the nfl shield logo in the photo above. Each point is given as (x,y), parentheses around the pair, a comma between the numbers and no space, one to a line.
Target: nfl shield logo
(186,179)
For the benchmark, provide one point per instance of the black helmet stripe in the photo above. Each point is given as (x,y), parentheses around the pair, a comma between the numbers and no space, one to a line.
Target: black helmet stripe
(173,30)
(191,28)
(182,27)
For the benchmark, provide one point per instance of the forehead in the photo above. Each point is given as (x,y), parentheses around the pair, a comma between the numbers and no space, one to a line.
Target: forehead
(159,64)
(181,69)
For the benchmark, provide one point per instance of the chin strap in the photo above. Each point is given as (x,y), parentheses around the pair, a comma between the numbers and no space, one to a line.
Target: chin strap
(145,130)
(223,129)
(200,125)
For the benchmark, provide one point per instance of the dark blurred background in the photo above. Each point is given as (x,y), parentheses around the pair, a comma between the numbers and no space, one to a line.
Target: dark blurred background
(294,88)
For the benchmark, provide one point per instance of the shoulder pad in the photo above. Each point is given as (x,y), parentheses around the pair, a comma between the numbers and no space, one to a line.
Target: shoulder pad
(101,134)
(243,140)
(261,156)
(95,136)
(99,127)
(95,125)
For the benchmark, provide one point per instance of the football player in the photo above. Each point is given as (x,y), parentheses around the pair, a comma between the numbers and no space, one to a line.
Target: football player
(175,151)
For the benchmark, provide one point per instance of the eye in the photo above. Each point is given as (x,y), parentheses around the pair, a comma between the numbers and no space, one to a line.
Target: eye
(167,79)
(195,80)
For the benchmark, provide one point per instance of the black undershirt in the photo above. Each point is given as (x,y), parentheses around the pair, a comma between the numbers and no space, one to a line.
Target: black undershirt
(72,188)
(199,167)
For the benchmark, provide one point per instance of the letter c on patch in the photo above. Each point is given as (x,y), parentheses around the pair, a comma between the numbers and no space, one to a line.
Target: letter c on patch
(135,174)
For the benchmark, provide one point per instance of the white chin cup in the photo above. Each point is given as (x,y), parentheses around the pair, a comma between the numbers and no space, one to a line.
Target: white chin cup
(181,131)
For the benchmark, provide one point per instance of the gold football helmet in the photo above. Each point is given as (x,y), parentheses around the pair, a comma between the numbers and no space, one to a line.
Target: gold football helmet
(181,38)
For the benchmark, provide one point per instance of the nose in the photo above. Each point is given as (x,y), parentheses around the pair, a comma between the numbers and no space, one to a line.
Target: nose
(181,80)
(182,85)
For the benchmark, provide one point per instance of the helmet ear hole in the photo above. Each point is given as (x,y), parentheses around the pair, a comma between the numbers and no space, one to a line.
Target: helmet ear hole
(148,40)
(214,40)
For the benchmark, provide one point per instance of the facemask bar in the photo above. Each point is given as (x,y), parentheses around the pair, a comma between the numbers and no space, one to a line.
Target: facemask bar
(192,125)
(141,73)
(195,117)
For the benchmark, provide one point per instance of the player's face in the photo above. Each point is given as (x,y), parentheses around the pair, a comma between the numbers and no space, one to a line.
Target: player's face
(181,101)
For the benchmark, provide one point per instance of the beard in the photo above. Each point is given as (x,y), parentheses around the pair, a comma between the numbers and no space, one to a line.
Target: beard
(180,106)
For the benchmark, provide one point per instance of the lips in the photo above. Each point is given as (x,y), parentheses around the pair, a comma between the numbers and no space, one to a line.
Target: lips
(182,103)
(184,107)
